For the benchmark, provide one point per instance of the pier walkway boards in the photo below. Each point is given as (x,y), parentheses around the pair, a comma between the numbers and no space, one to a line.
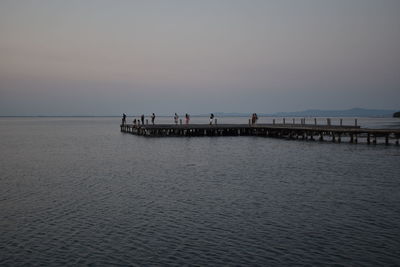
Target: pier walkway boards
(332,133)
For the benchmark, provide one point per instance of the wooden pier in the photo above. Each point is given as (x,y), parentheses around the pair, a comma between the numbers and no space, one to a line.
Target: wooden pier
(332,133)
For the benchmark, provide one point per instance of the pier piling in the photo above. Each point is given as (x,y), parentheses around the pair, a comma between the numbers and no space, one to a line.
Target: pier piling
(335,133)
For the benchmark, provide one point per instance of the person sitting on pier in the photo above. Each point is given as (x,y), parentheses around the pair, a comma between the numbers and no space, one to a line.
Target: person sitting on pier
(187,116)
(176,117)
(211,118)
(153,116)
(123,119)
(142,119)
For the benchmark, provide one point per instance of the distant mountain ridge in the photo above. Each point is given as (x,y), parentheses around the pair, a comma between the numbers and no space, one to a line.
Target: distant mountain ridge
(353,112)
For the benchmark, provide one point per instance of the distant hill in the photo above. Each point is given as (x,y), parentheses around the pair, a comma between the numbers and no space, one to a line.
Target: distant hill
(354,112)
(396,114)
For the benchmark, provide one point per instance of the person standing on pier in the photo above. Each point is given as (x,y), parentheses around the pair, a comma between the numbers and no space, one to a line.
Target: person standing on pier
(123,119)
(176,117)
(153,117)
(211,118)
(142,119)
(254,118)
(187,116)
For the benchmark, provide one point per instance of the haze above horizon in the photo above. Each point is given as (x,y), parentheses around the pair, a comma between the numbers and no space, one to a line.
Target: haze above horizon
(108,57)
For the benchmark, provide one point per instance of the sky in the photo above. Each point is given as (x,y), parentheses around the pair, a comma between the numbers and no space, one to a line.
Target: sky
(107,57)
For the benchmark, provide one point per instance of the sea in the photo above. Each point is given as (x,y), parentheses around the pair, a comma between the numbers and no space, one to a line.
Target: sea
(75,191)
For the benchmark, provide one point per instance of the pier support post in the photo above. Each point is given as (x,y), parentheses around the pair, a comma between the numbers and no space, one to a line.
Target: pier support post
(374,139)
(369,138)
(356,138)
(351,138)
(333,138)
(339,138)
(321,136)
(387,139)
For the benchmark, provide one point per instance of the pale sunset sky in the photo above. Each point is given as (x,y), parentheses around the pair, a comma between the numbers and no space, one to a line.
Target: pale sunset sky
(87,57)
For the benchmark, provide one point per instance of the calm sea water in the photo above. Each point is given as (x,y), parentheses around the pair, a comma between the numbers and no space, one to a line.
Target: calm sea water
(76,191)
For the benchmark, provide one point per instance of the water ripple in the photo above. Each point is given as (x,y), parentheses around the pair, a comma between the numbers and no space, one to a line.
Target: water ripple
(94,196)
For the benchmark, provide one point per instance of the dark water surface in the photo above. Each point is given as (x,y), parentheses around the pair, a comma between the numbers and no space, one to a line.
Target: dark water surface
(76,191)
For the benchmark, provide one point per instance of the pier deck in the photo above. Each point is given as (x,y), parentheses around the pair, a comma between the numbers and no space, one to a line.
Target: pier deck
(352,134)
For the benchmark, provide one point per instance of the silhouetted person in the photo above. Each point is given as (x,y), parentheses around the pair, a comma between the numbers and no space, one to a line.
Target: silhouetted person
(142,119)
(176,117)
(211,118)
(123,119)
(254,118)
(187,117)
(153,117)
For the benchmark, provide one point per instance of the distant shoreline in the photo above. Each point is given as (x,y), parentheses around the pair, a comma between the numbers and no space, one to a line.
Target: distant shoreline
(201,116)
(310,113)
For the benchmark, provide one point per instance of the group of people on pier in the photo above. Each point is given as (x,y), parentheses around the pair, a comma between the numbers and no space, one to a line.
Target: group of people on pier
(176,118)
(138,122)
